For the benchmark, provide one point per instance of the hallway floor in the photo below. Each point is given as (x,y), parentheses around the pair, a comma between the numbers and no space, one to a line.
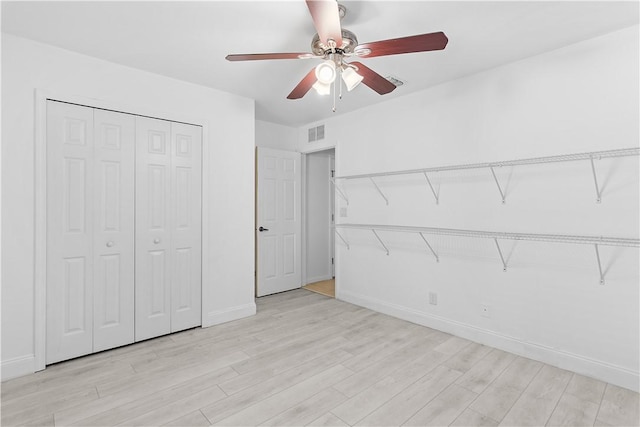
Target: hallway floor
(325,287)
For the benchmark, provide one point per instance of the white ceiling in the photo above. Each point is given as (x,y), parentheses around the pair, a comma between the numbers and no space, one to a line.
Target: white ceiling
(189,40)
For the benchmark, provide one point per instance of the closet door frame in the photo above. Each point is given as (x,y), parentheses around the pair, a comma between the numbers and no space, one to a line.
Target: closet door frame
(40,203)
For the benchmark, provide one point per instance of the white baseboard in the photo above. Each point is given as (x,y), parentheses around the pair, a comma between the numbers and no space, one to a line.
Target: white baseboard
(17,367)
(25,365)
(227,315)
(597,369)
(317,279)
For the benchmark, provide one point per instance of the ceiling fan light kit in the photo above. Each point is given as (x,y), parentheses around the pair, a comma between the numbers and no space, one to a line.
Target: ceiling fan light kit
(326,72)
(350,78)
(333,44)
(322,88)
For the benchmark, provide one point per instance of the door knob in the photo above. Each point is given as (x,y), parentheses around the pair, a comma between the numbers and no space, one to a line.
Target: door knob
(156,241)
(263,229)
(109,243)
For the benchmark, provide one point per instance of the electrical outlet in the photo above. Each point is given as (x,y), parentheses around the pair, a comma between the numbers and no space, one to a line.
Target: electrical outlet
(343,212)
(433,298)
(485,311)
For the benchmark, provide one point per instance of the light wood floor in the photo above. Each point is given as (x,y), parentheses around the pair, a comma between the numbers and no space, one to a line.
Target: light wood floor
(325,287)
(306,359)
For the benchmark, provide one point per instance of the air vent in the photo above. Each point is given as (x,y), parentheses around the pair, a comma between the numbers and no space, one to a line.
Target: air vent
(396,81)
(316,133)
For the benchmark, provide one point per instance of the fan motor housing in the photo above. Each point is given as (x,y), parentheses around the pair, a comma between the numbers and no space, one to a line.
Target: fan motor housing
(349,43)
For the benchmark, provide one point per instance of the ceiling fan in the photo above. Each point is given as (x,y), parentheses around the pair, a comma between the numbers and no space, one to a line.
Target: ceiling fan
(334,44)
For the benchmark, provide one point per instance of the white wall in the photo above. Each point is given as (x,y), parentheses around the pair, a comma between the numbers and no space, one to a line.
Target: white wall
(228,177)
(549,305)
(272,135)
(318,217)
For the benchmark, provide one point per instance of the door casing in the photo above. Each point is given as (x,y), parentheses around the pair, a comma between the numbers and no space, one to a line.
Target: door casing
(305,215)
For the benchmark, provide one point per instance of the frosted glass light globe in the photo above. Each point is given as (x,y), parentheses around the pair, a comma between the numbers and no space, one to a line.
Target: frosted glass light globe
(326,72)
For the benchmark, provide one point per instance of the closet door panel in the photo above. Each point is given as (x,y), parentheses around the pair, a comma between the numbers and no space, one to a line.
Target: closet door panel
(114,177)
(186,259)
(69,231)
(153,228)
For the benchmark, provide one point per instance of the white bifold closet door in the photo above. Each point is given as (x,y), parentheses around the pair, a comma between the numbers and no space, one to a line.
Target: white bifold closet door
(123,229)
(186,226)
(113,253)
(168,227)
(90,263)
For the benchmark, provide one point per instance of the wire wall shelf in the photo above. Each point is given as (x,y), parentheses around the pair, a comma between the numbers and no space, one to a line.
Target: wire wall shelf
(596,241)
(590,156)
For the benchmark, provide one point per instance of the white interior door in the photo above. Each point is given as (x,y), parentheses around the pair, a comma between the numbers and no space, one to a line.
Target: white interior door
(153,228)
(69,231)
(186,238)
(113,250)
(278,221)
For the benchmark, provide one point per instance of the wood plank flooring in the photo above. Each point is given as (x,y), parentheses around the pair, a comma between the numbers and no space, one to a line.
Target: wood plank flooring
(324,287)
(306,359)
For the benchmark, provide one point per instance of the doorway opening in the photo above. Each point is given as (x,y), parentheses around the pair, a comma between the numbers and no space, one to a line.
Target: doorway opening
(319,207)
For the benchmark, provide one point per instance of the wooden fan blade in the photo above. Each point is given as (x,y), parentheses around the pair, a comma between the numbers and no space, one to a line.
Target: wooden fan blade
(261,56)
(374,80)
(326,19)
(419,43)
(304,85)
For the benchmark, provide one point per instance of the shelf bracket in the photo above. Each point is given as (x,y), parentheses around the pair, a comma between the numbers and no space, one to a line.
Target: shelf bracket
(379,191)
(432,190)
(504,264)
(343,240)
(340,193)
(380,240)
(498,184)
(429,246)
(599,264)
(595,181)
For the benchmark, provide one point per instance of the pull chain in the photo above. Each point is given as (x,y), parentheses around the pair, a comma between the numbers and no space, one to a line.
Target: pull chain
(334,95)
